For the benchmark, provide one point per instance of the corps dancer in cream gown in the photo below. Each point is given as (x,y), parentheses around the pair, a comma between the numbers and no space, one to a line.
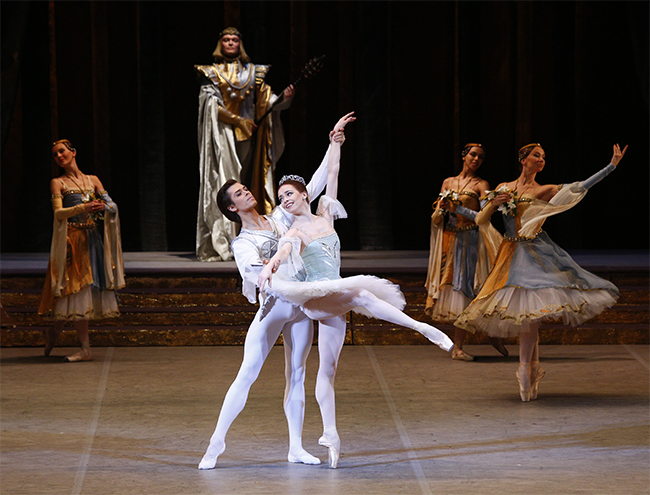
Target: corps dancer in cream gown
(85,266)
(460,256)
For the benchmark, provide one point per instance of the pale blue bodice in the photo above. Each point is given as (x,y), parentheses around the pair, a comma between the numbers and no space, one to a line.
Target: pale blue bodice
(74,199)
(321,259)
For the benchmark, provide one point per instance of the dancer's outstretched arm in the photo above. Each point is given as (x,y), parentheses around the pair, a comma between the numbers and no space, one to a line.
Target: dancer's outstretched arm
(333,165)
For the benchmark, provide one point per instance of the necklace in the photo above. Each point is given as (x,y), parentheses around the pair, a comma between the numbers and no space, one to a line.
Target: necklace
(75,182)
(460,189)
(525,189)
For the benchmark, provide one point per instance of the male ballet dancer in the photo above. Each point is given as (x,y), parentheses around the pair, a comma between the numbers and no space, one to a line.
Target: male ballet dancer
(258,241)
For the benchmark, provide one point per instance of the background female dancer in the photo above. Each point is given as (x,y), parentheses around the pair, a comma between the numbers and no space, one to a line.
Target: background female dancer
(256,242)
(314,250)
(459,257)
(533,279)
(84,270)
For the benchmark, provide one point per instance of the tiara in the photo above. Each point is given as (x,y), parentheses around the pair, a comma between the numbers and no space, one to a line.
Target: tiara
(295,178)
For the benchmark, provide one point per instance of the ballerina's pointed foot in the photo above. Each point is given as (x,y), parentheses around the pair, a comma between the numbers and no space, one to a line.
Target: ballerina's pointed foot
(523,377)
(209,460)
(436,336)
(303,457)
(331,440)
(536,376)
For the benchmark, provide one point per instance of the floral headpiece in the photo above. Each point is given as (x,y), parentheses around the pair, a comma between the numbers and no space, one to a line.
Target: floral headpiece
(524,151)
(65,143)
(295,178)
(469,146)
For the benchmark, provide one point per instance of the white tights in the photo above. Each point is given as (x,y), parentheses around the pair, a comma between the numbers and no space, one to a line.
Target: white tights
(297,331)
(331,334)
(340,303)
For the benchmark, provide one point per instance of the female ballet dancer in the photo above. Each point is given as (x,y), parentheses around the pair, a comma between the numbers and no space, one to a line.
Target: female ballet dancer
(85,266)
(533,279)
(312,280)
(459,257)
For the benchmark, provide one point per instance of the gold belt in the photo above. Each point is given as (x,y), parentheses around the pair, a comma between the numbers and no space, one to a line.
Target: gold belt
(521,238)
(451,228)
(87,226)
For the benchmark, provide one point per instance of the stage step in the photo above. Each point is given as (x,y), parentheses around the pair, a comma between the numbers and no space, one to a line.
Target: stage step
(190,310)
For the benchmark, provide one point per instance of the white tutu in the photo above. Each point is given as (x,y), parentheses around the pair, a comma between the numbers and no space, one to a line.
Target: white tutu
(328,298)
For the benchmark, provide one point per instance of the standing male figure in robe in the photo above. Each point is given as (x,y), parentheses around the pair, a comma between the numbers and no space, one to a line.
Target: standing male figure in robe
(233,95)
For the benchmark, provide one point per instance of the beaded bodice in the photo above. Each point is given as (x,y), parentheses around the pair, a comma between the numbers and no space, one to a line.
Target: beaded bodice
(321,258)
(469,199)
(513,223)
(74,197)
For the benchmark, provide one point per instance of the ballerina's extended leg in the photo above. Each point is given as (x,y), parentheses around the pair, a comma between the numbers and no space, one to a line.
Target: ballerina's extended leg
(385,311)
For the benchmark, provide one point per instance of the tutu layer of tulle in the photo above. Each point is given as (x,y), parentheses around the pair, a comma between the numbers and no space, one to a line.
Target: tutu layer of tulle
(449,305)
(329,298)
(510,311)
(89,303)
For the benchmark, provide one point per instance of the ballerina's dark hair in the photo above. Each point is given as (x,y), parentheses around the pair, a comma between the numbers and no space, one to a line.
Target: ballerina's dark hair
(295,181)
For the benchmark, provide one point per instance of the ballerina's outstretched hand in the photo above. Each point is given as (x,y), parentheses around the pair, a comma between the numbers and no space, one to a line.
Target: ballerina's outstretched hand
(343,121)
(618,154)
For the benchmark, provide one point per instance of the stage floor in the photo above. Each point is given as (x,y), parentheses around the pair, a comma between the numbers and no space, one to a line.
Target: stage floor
(351,262)
(411,420)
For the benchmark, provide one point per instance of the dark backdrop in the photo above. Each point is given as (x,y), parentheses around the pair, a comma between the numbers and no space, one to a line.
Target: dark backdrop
(117,79)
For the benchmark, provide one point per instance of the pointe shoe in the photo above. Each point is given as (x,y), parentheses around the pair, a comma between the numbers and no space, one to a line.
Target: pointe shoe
(209,460)
(331,440)
(82,355)
(523,376)
(498,345)
(434,335)
(461,355)
(536,376)
(303,457)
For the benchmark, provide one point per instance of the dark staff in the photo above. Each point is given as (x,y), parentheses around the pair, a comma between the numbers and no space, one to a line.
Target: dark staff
(310,69)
